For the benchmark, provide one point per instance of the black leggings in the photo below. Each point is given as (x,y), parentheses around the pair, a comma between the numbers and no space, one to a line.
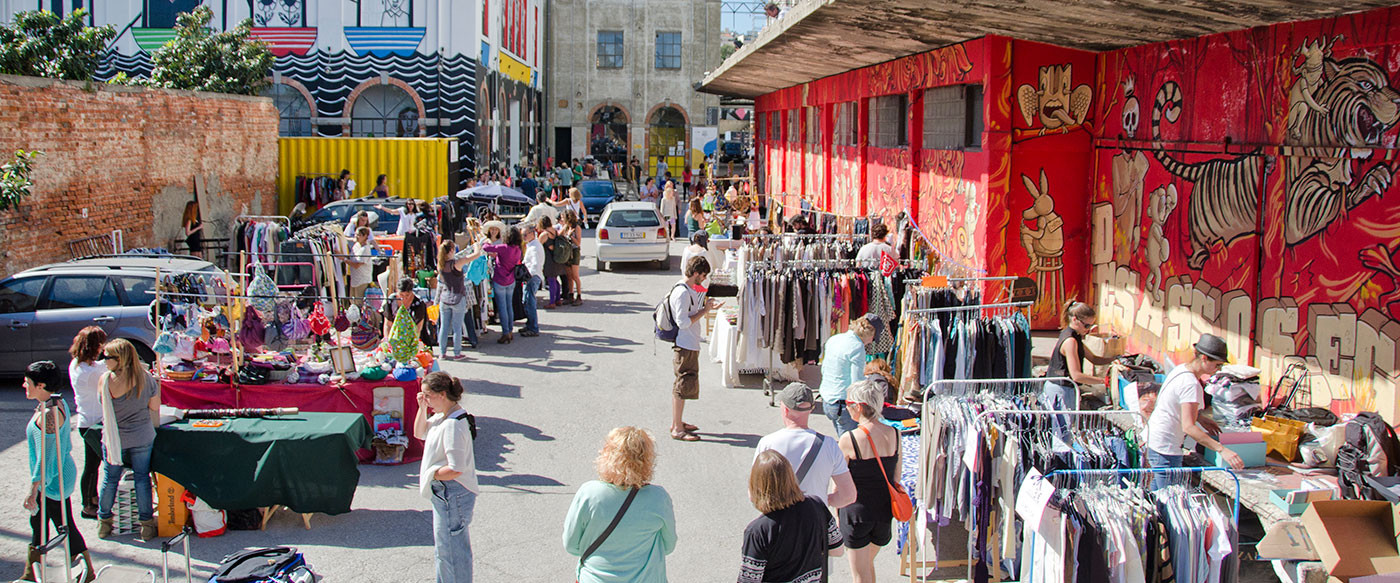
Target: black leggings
(92,465)
(55,511)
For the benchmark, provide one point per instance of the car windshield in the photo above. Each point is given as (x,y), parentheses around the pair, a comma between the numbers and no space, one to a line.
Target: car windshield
(633,218)
(596,188)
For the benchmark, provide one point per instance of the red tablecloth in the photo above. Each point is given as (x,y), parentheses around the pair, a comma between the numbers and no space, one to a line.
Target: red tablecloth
(356,397)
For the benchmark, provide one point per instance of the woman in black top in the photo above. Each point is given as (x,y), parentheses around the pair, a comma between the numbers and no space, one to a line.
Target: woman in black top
(866,523)
(194,228)
(1067,360)
(792,539)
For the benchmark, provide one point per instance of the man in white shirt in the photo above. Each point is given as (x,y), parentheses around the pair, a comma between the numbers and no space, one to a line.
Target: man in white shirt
(1177,412)
(541,209)
(534,261)
(871,251)
(816,458)
(689,307)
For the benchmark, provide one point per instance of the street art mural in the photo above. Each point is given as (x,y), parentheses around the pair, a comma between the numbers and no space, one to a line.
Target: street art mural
(1266,210)
(1053,102)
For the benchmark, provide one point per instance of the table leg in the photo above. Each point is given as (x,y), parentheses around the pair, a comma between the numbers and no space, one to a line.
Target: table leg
(267,515)
(306,520)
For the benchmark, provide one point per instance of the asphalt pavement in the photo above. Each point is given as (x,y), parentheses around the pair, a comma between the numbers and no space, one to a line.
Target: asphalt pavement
(543,407)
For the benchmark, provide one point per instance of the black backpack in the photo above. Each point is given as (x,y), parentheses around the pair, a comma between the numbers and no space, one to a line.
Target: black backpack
(1368,437)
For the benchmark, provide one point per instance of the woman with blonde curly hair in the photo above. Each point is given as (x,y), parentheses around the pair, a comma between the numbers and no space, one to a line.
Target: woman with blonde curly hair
(621,526)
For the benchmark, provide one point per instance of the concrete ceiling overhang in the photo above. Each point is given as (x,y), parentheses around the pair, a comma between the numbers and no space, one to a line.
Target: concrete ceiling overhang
(819,38)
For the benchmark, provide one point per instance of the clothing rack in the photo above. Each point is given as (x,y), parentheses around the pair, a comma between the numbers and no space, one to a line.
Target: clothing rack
(970,308)
(965,279)
(806,236)
(273,218)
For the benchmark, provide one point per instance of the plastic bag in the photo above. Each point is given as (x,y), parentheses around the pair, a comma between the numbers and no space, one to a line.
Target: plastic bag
(1320,443)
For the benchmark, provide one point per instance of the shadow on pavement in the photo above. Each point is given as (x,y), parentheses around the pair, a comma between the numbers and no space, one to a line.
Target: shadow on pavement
(493,441)
(522,482)
(744,440)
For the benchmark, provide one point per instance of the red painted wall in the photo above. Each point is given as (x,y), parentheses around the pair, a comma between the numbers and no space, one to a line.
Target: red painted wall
(1266,212)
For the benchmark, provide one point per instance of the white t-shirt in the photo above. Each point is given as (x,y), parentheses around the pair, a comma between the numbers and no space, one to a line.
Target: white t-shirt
(534,258)
(1164,434)
(794,443)
(692,251)
(363,272)
(349,187)
(449,443)
(685,302)
(873,249)
(406,222)
(86,379)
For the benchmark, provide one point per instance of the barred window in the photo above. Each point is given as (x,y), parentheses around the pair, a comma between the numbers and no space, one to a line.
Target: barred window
(888,127)
(953,118)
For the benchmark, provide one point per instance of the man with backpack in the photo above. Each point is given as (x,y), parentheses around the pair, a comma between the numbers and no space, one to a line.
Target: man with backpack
(688,307)
(1179,404)
(816,458)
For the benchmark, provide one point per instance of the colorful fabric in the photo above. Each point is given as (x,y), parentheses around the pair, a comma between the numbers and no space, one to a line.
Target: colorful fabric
(403,336)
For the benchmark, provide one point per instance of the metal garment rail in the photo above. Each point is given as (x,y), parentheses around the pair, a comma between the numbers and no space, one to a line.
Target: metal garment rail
(918,549)
(986,416)
(957,279)
(970,308)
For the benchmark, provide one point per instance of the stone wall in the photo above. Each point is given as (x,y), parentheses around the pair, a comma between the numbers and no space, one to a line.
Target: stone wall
(124,158)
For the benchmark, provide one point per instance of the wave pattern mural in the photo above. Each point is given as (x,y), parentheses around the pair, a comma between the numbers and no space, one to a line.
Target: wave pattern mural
(447,86)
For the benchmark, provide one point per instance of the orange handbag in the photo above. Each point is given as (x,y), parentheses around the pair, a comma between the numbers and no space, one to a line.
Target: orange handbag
(900,504)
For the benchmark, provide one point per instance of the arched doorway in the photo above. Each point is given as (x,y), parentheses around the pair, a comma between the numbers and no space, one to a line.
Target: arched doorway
(384,111)
(666,140)
(293,110)
(607,135)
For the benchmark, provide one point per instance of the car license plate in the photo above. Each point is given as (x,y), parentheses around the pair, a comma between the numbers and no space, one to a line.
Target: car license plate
(633,235)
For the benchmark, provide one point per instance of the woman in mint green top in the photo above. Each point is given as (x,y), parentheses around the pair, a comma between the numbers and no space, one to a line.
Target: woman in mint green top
(50,436)
(636,550)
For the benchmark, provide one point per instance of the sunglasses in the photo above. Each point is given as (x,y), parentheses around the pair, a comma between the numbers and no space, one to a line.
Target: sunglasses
(109,357)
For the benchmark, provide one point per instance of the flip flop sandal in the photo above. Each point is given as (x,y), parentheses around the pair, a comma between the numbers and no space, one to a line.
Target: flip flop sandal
(684,436)
(690,428)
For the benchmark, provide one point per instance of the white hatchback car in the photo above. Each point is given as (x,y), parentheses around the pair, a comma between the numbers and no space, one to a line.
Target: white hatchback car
(632,232)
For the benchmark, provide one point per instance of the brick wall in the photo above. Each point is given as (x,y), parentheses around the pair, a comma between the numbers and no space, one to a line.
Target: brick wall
(127,158)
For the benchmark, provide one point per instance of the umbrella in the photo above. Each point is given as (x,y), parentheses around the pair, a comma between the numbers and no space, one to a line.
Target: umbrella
(495,193)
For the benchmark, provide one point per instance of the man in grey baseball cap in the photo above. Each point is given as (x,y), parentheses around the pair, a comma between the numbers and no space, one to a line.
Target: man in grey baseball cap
(816,459)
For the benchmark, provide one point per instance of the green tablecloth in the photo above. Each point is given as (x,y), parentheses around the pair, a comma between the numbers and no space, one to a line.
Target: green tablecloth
(305,462)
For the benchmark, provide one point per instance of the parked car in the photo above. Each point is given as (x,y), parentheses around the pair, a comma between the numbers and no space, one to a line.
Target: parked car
(43,308)
(597,194)
(632,232)
(340,212)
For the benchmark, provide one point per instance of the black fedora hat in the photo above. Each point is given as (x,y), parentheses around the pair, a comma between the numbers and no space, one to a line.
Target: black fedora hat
(1213,346)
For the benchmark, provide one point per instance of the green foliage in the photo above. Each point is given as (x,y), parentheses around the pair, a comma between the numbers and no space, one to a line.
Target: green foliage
(200,59)
(40,44)
(726,49)
(14,179)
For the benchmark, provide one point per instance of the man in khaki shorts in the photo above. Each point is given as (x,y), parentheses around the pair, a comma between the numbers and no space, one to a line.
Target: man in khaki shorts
(689,307)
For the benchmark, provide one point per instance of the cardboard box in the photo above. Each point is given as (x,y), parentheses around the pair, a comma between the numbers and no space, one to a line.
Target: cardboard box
(171,513)
(1252,454)
(1354,537)
(1294,502)
(1287,541)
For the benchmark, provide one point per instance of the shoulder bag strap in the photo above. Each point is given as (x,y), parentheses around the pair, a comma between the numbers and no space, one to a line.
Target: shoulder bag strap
(611,526)
(810,458)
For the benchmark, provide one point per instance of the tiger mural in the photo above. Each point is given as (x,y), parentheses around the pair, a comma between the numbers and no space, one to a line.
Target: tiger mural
(1358,106)
(1225,201)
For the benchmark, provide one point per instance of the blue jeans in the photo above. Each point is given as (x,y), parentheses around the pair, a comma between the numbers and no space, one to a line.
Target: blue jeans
(139,460)
(453,504)
(504,297)
(1161,460)
(1058,397)
(532,313)
(450,321)
(839,416)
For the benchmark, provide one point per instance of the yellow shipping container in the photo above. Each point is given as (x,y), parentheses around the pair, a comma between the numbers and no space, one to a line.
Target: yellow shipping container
(422,168)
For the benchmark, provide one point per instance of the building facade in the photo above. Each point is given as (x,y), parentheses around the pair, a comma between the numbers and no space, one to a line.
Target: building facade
(622,79)
(1238,183)
(469,69)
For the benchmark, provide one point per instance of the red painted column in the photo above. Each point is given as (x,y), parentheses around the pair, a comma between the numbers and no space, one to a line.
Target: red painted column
(916,150)
(828,131)
(863,139)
